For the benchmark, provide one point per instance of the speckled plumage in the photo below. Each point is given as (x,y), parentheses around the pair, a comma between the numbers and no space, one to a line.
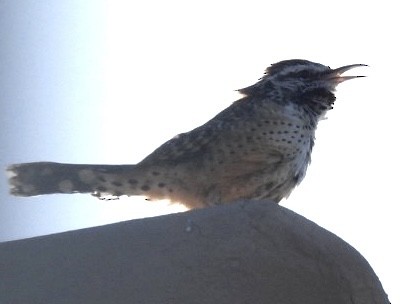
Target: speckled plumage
(257,148)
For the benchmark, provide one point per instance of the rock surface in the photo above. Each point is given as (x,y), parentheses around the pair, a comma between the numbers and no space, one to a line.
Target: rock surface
(247,252)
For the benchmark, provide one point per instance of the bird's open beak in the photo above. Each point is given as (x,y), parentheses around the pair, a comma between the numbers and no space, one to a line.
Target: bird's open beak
(336,74)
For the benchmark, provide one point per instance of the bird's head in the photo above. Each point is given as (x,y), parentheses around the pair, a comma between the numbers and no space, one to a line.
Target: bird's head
(302,82)
(303,75)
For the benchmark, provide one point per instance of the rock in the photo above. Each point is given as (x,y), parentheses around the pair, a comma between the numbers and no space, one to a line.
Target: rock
(246,252)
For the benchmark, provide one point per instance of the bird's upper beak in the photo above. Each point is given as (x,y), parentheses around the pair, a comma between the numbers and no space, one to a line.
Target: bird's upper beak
(336,74)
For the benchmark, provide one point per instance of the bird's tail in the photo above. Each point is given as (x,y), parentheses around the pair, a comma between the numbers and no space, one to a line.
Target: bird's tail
(30,179)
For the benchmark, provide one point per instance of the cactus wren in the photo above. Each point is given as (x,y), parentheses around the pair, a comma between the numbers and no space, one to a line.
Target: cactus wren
(257,148)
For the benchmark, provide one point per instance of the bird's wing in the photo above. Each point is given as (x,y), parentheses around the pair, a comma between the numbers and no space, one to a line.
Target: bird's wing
(183,145)
(228,127)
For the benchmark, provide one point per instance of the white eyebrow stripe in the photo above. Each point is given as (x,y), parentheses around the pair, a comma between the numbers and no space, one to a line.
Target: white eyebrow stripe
(299,68)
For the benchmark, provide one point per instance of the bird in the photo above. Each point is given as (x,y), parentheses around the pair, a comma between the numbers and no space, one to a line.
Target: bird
(258,148)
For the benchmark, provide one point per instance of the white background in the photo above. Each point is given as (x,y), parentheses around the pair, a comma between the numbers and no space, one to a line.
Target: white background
(109,81)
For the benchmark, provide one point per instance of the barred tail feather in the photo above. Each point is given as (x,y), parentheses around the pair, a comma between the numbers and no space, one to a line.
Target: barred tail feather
(31,179)
(102,181)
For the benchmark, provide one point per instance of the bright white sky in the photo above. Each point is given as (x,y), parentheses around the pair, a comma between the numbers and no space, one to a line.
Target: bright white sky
(109,81)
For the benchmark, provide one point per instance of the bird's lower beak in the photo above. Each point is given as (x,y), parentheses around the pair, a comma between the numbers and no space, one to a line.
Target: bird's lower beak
(336,74)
